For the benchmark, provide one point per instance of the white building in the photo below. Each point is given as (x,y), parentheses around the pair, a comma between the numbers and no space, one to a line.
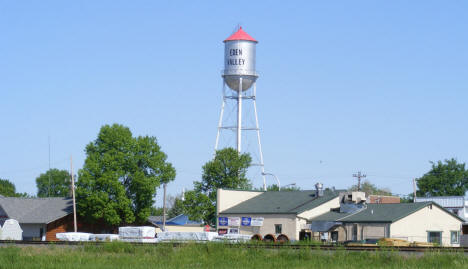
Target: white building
(272,212)
(413,222)
(458,205)
(39,218)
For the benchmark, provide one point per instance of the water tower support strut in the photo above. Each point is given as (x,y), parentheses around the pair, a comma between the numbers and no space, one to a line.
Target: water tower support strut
(220,122)
(258,135)
(239,116)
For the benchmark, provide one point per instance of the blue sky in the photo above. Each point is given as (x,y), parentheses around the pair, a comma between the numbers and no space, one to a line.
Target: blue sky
(377,86)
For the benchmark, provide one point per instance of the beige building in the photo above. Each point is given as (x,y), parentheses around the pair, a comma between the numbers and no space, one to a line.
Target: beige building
(272,212)
(414,222)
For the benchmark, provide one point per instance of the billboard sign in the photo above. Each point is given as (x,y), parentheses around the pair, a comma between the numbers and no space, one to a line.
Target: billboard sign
(258,221)
(233,221)
(246,221)
(223,221)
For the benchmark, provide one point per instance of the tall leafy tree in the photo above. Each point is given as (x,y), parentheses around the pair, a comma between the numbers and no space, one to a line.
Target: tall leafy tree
(275,187)
(444,179)
(7,188)
(228,169)
(54,183)
(118,181)
(177,208)
(371,189)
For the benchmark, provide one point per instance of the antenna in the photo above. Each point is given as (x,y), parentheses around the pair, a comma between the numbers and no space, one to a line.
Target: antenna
(238,26)
(48,189)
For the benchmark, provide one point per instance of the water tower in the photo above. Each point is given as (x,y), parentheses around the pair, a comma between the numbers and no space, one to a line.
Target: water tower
(240,76)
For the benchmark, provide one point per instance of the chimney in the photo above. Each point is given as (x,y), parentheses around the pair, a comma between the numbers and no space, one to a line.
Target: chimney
(319,189)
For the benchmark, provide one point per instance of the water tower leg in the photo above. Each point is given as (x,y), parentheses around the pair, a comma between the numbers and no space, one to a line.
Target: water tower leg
(258,136)
(239,116)
(220,122)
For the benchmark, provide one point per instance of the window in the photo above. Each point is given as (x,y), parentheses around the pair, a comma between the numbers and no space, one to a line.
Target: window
(334,236)
(278,228)
(455,211)
(454,237)
(434,237)
(354,232)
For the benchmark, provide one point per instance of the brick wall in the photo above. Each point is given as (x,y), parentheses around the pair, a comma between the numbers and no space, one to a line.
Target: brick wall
(62,225)
(65,224)
(382,199)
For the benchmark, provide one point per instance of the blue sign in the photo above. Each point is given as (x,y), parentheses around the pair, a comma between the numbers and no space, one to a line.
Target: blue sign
(246,221)
(223,221)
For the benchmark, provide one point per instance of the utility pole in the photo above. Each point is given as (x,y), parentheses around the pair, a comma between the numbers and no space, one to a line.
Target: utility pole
(414,190)
(48,189)
(359,175)
(73,194)
(164,208)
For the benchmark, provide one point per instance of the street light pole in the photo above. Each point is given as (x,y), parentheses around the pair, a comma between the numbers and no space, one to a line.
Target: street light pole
(277,180)
(164,208)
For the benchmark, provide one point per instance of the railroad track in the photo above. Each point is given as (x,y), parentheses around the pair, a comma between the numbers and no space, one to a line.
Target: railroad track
(249,245)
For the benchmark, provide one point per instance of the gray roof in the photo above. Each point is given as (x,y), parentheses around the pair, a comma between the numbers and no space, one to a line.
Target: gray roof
(36,210)
(445,201)
(281,202)
(154,219)
(378,213)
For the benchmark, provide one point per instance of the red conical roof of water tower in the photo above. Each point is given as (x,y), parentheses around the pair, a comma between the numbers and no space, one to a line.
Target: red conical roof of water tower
(240,35)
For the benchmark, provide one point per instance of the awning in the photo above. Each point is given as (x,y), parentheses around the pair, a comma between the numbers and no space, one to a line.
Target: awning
(323,226)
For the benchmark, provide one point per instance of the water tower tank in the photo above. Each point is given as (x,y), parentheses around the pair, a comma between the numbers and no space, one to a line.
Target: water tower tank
(239,60)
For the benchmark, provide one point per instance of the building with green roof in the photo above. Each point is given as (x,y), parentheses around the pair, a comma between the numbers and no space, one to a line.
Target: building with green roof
(272,212)
(420,222)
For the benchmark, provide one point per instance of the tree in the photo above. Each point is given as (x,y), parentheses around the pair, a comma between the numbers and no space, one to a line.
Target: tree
(118,181)
(409,198)
(448,178)
(228,169)
(371,189)
(177,208)
(156,211)
(274,187)
(199,206)
(60,181)
(7,188)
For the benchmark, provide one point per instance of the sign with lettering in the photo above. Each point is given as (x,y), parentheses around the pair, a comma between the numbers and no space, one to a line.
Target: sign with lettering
(258,221)
(233,221)
(223,221)
(234,58)
(246,221)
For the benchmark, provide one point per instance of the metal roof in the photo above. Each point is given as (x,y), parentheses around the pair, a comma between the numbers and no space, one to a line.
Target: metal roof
(240,35)
(282,202)
(36,210)
(378,213)
(177,220)
(444,201)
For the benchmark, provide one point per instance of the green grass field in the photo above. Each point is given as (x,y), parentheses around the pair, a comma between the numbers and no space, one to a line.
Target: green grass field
(122,255)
